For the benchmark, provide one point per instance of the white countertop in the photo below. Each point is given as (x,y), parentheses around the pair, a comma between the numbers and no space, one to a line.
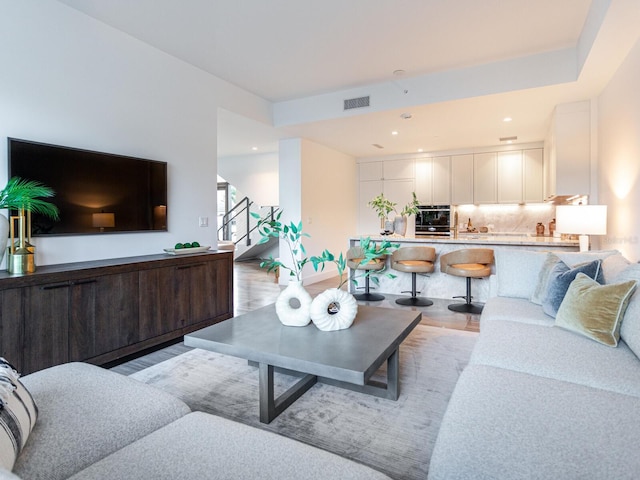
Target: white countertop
(477,238)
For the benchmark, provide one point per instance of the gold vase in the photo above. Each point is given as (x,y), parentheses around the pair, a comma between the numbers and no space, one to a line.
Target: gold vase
(21,254)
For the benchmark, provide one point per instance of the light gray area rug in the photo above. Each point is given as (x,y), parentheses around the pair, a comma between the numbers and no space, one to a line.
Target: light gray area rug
(395,437)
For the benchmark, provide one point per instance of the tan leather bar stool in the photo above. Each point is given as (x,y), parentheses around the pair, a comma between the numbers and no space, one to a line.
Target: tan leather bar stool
(355,256)
(469,263)
(413,260)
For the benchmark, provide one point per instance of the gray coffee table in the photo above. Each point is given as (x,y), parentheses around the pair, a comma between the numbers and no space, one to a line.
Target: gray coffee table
(345,358)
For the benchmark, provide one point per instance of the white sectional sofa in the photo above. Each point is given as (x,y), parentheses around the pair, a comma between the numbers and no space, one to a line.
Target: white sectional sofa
(96,424)
(539,401)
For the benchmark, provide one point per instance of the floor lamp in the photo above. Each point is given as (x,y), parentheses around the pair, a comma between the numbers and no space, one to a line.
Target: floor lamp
(583,220)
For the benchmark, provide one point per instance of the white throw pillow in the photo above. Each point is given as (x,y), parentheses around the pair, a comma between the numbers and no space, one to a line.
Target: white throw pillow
(18,414)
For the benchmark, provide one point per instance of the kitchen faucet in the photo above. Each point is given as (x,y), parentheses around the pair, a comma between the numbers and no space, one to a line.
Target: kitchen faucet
(455,225)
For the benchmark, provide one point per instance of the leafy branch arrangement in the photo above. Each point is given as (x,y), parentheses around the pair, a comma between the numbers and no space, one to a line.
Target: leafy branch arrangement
(292,234)
(372,251)
(382,205)
(24,194)
(411,208)
(327,256)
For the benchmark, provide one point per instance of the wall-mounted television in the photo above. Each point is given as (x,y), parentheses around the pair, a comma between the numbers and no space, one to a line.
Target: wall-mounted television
(96,192)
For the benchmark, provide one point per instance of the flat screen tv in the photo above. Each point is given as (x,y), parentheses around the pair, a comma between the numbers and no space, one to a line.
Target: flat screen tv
(96,192)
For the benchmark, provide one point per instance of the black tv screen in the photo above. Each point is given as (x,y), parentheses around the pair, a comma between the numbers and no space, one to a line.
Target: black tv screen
(95,192)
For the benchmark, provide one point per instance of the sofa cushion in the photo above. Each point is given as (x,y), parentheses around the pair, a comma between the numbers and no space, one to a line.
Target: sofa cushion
(576,258)
(87,413)
(507,425)
(595,310)
(558,354)
(515,310)
(542,284)
(18,414)
(517,272)
(560,278)
(630,328)
(215,448)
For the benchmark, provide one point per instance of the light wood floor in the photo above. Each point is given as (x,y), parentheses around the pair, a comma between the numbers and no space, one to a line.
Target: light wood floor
(254,288)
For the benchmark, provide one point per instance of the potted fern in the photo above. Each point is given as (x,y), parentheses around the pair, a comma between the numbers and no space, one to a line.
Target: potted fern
(25,196)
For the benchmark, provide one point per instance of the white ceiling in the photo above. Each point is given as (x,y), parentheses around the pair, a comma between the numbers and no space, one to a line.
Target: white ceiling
(291,51)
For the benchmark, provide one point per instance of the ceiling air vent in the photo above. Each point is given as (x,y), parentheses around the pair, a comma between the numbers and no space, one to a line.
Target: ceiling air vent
(356,102)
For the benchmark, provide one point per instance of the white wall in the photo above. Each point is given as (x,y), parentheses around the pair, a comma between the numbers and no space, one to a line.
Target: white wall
(317,187)
(70,80)
(619,157)
(255,175)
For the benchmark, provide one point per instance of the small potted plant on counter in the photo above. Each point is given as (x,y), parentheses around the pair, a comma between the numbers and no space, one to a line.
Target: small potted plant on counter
(383,207)
(400,222)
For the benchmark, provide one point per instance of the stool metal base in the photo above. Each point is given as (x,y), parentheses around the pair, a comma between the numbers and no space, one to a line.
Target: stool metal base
(466,308)
(414,302)
(369,297)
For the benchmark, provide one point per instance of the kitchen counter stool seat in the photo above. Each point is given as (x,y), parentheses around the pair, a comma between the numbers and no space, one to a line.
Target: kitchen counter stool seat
(414,260)
(355,255)
(469,263)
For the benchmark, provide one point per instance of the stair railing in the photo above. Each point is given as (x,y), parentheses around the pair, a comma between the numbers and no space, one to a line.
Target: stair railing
(239,210)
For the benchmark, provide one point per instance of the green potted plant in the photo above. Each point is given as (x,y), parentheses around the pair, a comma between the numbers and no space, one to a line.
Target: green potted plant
(293,303)
(25,196)
(383,207)
(400,222)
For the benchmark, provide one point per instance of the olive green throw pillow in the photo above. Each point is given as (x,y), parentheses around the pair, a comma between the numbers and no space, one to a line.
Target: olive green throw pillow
(595,310)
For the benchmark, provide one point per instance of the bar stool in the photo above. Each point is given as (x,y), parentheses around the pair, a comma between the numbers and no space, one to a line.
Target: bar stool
(469,263)
(413,260)
(355,255)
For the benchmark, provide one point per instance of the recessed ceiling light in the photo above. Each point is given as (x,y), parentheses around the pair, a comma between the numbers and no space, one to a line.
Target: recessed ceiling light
(254,148)
(420,150)
(507,119)
(406,116)
(394,132)
(399,73)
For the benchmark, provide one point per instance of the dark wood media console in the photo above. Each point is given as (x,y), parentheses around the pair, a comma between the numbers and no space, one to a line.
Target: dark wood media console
(103,310)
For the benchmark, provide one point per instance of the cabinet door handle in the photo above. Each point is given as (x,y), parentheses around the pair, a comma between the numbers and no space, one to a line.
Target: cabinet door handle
(53,287)
(84,282)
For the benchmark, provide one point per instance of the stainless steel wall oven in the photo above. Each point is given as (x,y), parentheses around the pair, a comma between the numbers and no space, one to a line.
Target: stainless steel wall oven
(433,220)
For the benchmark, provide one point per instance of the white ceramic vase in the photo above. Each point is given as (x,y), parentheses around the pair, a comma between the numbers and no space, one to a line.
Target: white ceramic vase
(400,225)
(293,304)
(333,309)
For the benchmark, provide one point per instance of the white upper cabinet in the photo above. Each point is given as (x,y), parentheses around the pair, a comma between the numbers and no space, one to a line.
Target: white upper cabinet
(398,169)
(568,156)
(510,177)
(462,179)
(485,178)
(370,171)
(433,180)
(532,163)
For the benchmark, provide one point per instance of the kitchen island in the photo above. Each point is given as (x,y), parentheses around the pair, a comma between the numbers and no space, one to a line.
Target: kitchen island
(441,285)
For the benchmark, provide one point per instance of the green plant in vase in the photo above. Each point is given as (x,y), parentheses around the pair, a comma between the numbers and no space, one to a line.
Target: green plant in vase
(383,207)
(25,196)
(411,208)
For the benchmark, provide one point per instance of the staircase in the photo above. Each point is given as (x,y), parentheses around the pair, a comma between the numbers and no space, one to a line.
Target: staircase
(241,228)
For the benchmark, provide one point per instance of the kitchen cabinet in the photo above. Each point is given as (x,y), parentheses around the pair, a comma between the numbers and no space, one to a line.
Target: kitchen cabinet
(398,169)
(485,178)
(370,171)
(99,311)
(433,180)
(462,179)
(568,151)
(533,175)
(393,178)
(510,177)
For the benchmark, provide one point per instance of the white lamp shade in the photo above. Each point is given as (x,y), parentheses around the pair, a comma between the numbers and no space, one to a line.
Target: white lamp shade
(581,219)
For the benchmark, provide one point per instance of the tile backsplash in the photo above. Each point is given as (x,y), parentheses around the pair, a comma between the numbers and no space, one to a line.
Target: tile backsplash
(506,218)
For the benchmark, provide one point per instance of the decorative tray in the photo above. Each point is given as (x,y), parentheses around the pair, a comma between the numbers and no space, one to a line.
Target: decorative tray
(184,251)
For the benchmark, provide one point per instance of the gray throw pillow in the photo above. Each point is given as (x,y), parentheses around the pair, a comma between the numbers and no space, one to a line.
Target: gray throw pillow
(560,278)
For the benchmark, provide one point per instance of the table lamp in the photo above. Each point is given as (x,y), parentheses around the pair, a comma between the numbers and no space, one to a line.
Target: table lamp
(103,220)
(583,220)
